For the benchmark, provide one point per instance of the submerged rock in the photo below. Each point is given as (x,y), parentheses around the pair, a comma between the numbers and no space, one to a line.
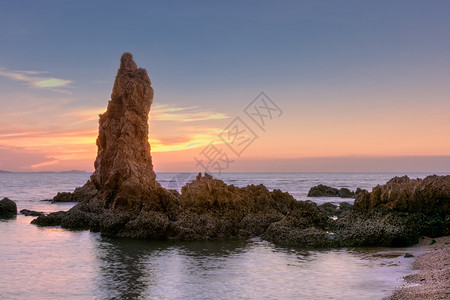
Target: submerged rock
(8,208)
(32,213)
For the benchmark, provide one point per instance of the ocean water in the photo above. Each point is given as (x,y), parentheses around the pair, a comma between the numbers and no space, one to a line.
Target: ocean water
(54,263)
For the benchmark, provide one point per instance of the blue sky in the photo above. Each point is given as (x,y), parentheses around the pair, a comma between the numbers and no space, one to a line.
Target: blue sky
(316,58)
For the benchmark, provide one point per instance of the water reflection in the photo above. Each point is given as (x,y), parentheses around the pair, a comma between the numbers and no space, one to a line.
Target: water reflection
(131,269)
(251,269)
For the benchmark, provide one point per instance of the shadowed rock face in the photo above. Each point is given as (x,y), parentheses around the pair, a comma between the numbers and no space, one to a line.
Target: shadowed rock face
(124,174)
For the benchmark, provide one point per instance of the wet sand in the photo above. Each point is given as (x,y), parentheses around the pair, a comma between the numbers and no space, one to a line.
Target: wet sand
(433,278)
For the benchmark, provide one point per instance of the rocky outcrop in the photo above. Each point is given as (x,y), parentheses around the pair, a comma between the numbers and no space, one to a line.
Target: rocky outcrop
(228,211)
(8,208)
(429,196)
(86,192)
(326,191)
(398,213)
(206,209)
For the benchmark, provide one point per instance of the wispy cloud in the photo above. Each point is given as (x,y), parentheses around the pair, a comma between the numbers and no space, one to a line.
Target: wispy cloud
(36,79)
(164,112)
(159,112)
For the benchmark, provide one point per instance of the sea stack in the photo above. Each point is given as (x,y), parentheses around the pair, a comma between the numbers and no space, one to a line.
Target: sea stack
(124,175)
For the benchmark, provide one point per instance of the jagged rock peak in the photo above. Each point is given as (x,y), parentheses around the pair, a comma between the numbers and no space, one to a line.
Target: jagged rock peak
(127,62)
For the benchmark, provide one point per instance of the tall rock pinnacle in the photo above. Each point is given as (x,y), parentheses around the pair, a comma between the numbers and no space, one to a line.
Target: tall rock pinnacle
(123,168)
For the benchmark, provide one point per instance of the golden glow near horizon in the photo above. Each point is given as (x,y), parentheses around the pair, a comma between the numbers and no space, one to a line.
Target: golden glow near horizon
(65,139)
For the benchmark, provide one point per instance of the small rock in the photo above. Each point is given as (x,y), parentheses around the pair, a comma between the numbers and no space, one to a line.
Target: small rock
(408,255)
(432,242)
(323,191)
(8,208)
(326,191)
(422,279)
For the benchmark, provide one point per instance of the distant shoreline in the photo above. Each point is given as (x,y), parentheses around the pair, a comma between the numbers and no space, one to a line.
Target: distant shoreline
(72,171)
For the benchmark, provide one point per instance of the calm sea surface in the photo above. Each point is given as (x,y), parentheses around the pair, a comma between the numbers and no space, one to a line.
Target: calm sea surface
(50,262)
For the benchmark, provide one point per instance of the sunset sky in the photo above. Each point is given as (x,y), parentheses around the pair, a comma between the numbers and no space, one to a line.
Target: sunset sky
(360,85)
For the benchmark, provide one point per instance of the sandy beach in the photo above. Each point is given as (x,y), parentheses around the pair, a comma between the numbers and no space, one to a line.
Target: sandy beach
(433,278)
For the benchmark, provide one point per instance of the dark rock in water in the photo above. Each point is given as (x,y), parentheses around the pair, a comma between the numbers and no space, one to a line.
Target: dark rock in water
(326,191)
(52,219)
(323,191)
(86,192)
(407,255)
(32,213)
(8,208)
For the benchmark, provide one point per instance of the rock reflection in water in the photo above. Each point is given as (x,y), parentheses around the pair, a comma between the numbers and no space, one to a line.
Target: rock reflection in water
(133,269)
(243,270)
